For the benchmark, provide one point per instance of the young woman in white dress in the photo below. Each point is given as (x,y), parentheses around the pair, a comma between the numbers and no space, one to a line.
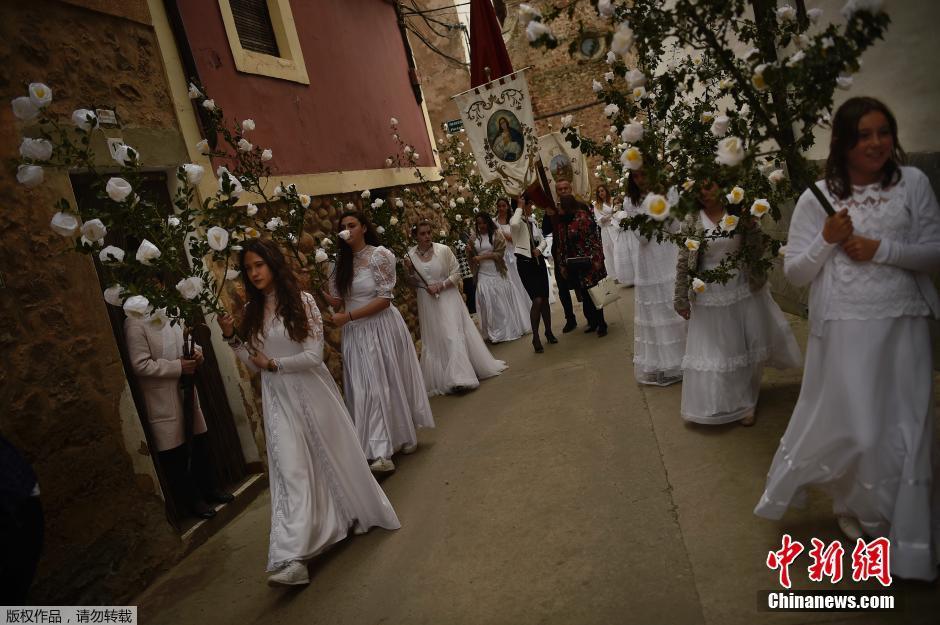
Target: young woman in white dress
(862,427)
(620,246)
(502,316)
(658,331)
(504,214)
(321,486)
(735,328)
(382,379)
(453,354)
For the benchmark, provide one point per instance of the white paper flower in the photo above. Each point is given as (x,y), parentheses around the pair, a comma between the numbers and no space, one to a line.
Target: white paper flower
(697,285)
(244,145)
(194,92)
(854,6)
(760,207)
(393,122)
(776,176)
(632,132)
(217,237)
(622,40)
(720,126)
(692,244)
(137,306)
(326,242)
(40,94)
(173,221)
(632,158)
(29,175)
(844,81)
(231,274)
(757,79)
(639,93)
(388,162)
(203,147)
(36,149)
(274,223)
(527,13)
(730,151)
(209,105)
(304,200)
(399,203)
(782,252)
(609,76)
(147,252)
(814,14)
(24,109)
(111,254)
(736,195)
(611,57)
(190,287)
(193,172)
(366,194)
(158,318)
(611,109)
(729,222)
(266,155)
(250,233)
(248,125)
(321,256)
(786,13)
(827,42)
(251,210)
(605,8)
(461,200)
(596,86)
(378,203)
(64,224)
(393,221)
(234,184)
(94,230)
(656,206)
(126,155)
(344,235)
(112,295)
(380,229)
(415,156)
(534,30)
(635,78)
(688,184)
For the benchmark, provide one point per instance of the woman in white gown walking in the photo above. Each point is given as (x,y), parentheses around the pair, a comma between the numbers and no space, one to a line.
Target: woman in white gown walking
(503,217)
(502,317)
(620,246)
(321,486)
(382,380)
(453,354)
(862,427)
(735,328)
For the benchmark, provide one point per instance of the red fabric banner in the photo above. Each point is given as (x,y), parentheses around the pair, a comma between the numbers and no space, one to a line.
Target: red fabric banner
(487,48)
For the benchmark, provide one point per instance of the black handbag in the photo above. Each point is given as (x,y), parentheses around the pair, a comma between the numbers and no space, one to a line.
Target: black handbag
(579,262)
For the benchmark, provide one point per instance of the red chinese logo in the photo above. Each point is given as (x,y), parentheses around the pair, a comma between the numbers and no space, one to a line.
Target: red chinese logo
(783,558)
(869,560)
(872,560)
(827,561)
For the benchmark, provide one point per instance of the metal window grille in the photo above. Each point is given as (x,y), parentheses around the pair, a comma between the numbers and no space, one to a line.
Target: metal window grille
(253,23)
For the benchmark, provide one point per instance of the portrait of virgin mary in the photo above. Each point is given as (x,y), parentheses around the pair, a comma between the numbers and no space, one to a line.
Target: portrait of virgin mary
(504,133)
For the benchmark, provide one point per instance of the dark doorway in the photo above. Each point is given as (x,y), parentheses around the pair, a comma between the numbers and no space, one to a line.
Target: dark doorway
(228,462)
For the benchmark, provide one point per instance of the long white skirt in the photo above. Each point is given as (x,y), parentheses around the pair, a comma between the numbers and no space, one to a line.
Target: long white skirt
(862,430)
(500,308)
(658,331)
(727,345)
(625,245)
(453,354)
(522,296)
(321,485)
(383,384)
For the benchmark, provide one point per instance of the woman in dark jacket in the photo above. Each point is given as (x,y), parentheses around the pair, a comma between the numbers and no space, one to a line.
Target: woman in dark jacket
(581,256)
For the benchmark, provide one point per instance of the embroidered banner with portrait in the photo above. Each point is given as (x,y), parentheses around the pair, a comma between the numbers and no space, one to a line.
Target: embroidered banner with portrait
(497,117)
(563,162)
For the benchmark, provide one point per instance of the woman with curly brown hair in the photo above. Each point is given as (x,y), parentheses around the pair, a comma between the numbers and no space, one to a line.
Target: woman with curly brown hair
(382,379)
(862,428)
(321,486)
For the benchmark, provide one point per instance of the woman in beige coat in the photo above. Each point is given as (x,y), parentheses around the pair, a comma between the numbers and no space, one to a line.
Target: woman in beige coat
(156,356)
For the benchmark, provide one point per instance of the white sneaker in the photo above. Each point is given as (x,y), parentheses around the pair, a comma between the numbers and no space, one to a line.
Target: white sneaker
(409,449)
(294,574)
(382,465)
(850,527)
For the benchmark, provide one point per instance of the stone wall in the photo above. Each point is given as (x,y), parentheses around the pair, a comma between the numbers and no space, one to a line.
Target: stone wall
(61,377)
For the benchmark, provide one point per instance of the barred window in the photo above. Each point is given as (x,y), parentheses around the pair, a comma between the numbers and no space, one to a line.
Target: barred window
(253,23)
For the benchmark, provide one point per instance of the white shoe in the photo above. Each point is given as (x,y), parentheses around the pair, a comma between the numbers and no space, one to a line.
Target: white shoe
(850,527)
(409,449)
(382,465)
(294,574)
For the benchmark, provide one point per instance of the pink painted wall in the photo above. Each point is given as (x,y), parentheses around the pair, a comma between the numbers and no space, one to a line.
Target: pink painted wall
(358,71)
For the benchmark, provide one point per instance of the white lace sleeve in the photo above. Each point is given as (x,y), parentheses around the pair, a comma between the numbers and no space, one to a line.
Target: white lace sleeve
(383,271)
(312,354)
(331,282)
(807,250)
(923,253)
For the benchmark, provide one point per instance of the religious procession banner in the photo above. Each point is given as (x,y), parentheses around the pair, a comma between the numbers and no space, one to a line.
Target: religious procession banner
(563,162)
(497,117)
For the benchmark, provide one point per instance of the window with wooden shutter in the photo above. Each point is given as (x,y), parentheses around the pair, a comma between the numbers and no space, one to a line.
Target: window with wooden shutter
(253,22)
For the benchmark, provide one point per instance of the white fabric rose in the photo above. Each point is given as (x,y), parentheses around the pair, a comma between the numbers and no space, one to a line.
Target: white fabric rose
(399,203)
(605,8)
(729,223)
(190,287)
(274,223)
(327,242)
(611,57)
(209,105)
(266,155)
(94,230)
(636,78)
(854,6)
(158,318)
(84,119)
(527,13)
(730,151)
(366,194)
(388,162)
(611,109)
(656,206)
(137,306)
(112,295)
(632,158)
(609,76)
(596,86)
(194,92)
(534,30)
(393,122)
(173,221)
(814,14)
(566,121)
(24,109)
(217,237)
(36,149)
(126,155)
(786,13)
(344,235)
(415,156)
(40,94)
(639,93)
(321,256)
(111,254)
(698,286)
(720,126)
(380,230)
(29,175)
(231,274)
(692,244)
(632,132)
(64,224)
(378,203)
(688,184)
(757,79)
(147,252)
(304,200)
(622,40)
(244,145)
(776,177)
(234,184)
(251,210)
(193,172)
(203,147)
(736,195)
(248,125)
(844,81)
(760,207)
(118,189)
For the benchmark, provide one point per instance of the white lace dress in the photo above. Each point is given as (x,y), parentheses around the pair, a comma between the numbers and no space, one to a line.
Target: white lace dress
(862,427)
(502,314)
(453,354)
(512,272)
(382,379)
(733,333)
(321,485)
(620,246)
(658,331)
